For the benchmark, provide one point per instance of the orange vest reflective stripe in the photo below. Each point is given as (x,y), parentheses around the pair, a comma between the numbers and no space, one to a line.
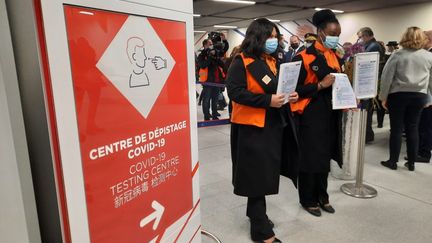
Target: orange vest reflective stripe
(311,77)
(247,115)
(203,74)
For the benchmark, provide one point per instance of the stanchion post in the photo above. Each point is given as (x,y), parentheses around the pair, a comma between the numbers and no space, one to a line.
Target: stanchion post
(358,189)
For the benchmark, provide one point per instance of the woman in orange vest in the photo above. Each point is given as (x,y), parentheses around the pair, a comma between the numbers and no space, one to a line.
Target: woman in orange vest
(263,135)
(319,125)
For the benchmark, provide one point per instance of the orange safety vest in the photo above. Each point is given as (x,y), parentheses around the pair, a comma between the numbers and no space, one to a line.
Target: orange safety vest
(203,74)
(248,115)
(311,78)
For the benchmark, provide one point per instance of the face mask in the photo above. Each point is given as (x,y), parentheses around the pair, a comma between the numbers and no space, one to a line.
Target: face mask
(360,41)
(331,42)
(282,45)
(271,45)
(308,44)
(211,47)
(294,46)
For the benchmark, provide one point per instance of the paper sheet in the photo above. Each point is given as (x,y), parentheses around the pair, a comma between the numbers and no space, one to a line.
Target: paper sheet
(288,77)
(366,75)
(342,93)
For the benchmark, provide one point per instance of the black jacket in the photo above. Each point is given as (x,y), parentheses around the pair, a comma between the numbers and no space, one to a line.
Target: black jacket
(260,155)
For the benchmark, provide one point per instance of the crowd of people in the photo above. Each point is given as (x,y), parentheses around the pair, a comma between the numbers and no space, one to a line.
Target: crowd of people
(298,139)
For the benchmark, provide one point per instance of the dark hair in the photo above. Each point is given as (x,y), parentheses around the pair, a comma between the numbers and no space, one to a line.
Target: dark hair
(205,42)
(321,18)
(256,35)
(366,31)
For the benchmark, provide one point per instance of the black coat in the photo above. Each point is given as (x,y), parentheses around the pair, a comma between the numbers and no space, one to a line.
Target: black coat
(260,155)
(320,127)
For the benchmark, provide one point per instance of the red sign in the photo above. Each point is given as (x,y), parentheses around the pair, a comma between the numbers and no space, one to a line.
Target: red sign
(130,85)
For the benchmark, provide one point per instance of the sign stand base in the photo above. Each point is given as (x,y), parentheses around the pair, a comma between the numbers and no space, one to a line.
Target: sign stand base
(363,191)
(211,236)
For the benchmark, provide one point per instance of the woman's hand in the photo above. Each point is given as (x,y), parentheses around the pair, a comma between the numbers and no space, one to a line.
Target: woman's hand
(293,97)
(277,100)
(384,104)
(327,81)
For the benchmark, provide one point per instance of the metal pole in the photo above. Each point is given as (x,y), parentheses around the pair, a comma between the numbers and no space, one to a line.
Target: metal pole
(358,189)
(211,236)
(362,141)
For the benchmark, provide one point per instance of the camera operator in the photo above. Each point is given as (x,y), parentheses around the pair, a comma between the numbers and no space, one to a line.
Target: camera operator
(211,74)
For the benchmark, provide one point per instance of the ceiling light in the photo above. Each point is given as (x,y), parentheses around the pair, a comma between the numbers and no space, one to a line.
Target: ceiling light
(225,27)
(333,10)
(197,15)
(200,31)
(236,1)
(86,13)
(272,20)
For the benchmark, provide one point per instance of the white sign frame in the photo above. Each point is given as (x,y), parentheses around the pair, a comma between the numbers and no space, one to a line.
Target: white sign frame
(54,25)
(359,59)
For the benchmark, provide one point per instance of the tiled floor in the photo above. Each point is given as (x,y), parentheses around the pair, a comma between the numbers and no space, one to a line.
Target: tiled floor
(402,212)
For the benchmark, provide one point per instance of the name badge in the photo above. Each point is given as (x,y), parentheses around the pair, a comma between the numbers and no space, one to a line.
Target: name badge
(266,79)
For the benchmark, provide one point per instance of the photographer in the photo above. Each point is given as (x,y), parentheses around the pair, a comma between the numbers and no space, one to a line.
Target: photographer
(211,74)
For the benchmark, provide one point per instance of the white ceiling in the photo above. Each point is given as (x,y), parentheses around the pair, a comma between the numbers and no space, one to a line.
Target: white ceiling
(219,13)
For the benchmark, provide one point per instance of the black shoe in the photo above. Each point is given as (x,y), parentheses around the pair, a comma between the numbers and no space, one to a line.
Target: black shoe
(206,118)
(217,114)
(420,159)
(390,165)
(327,207)
(314,211)
(410,166)
(215,118)
(380,125)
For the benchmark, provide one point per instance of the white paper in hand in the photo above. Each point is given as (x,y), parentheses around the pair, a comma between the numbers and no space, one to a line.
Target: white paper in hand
(288,77)
(343,93)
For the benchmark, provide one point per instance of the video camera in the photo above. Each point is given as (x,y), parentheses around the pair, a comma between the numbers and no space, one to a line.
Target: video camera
(218,44)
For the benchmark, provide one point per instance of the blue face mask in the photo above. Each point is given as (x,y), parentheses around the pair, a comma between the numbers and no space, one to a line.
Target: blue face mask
(331,42)
(271,45)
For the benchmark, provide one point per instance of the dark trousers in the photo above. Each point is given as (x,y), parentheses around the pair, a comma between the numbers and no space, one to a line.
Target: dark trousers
(425,133)
(380,113)
(368,105)
(312,188)
(260,226)
(405,109)
(210,95)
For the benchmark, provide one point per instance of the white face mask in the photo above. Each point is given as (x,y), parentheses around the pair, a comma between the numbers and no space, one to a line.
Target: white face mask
(308,44)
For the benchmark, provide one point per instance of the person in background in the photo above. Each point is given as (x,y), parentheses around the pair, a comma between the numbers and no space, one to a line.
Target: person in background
(310,39)
(405,83)
(377,102)
(294,49)
(392,46)
(280,54)
(347,49)
(263,134)
(210,74)
(366,37)
(425,126)
(319,125)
